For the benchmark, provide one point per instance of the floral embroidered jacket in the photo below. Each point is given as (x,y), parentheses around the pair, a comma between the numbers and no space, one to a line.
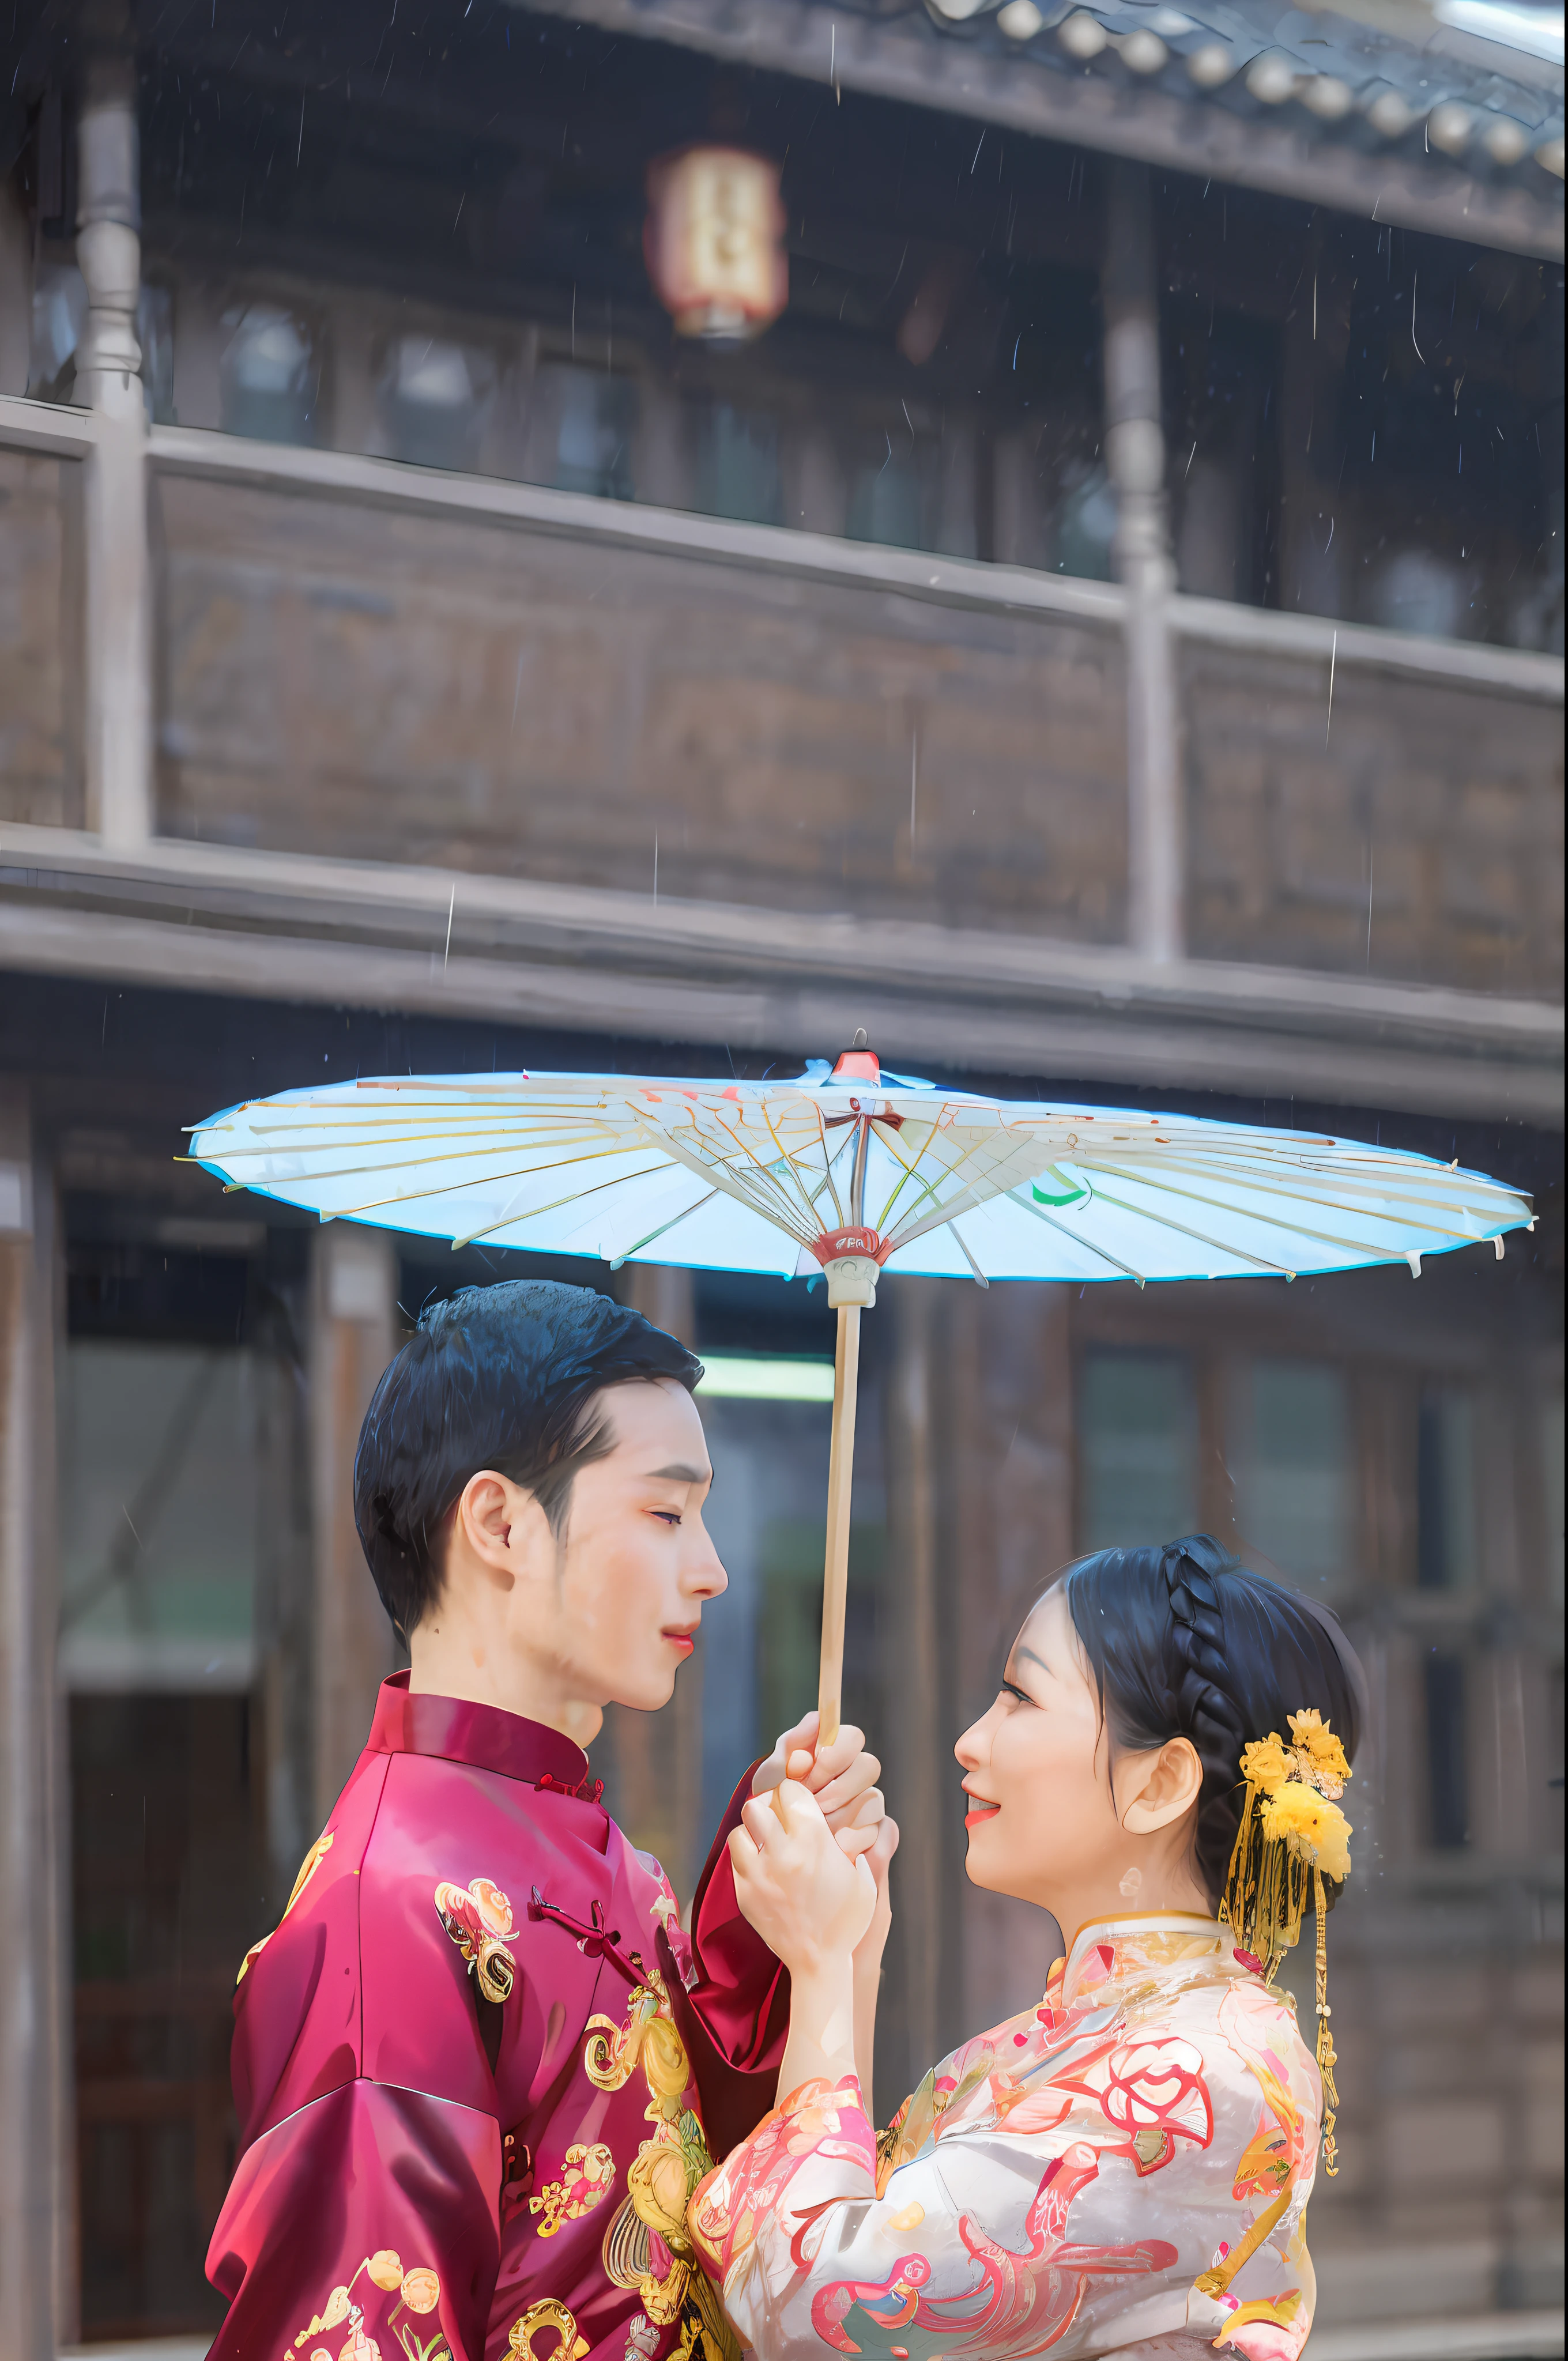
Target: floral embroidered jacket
(473,2067)
(1129,2161)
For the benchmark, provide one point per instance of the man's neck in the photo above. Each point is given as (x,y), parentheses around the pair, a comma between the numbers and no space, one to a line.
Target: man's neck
(445,1661)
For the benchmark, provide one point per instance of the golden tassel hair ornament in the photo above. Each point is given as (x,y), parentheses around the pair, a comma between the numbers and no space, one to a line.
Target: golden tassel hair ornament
(1293,1843)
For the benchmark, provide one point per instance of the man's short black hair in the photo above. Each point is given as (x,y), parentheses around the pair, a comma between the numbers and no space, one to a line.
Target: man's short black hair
(497,1376)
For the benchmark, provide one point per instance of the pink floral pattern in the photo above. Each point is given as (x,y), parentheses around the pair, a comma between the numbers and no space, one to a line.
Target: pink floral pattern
(819,2120)
(1101,2154)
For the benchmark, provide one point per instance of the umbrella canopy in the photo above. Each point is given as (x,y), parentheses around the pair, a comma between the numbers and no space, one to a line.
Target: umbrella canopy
(778,1176)
(848,1172)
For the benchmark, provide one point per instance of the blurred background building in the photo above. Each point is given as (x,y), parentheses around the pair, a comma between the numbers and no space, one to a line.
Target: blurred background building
(1103,635)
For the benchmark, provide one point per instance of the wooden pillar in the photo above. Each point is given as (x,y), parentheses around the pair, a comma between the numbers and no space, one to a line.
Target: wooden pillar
(108,381)
(285,1628)
(1500,1778)
(1316,338)
(917,1773)
(1220,1373)
(36,2247)
(958,521)
(1390,1771)
(1012,482)
(353,1289)
(1134,453)
(16,290)
(1533,1398)
(1008,1434)
(355,423)
(652,1763)
(661,467)
(814,496)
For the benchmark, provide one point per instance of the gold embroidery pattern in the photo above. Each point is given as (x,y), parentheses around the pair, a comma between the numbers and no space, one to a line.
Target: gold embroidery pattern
(416,2293)
(476,1916)
(308,1867)
(661,2181)
(584,2184)
(569,2345)
(611,2051)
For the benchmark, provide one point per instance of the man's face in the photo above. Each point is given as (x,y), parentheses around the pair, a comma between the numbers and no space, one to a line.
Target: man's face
(633,1562)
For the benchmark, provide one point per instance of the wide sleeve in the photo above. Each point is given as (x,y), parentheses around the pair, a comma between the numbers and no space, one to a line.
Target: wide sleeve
(366,2220)
(365,2211)
(1083,2215)
(730,1995)
(809,2255)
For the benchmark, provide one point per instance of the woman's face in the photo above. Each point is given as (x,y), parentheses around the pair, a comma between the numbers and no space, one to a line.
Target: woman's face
(1042,1822)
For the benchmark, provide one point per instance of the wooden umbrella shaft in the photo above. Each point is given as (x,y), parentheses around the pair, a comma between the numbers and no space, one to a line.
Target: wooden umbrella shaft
(841,1479)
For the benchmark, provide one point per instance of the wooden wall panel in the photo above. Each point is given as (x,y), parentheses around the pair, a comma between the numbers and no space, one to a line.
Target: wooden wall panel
(1439,802)
(338,679)
(41,687)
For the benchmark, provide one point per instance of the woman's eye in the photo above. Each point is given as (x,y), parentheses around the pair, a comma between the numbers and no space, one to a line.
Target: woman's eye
(1009,1690)
(668,1516)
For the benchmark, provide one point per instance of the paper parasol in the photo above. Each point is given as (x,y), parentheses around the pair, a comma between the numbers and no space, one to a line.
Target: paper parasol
(847,1171)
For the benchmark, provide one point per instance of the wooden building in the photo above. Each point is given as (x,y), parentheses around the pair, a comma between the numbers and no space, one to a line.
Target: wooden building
(1106,638)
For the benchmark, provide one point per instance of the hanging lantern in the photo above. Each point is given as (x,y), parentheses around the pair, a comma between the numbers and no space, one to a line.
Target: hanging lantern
(714,241)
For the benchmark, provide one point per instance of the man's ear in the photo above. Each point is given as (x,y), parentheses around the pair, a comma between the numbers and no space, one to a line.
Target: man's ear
(493,1518)
(1162,1787)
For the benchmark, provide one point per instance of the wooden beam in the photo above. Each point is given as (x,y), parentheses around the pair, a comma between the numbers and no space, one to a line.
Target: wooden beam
(38,2262)
(972,585)
(274,925)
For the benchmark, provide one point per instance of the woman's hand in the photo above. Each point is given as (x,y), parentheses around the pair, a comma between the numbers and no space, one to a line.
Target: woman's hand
(842,1777)
(807,1900)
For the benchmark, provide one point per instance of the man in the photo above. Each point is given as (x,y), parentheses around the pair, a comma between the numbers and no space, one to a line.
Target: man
(479,2067)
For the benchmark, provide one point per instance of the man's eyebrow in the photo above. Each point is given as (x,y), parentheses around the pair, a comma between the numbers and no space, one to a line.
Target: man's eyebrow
(679,1473)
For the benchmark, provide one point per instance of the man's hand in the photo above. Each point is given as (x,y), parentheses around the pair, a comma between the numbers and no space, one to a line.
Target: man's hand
(842,1777)
(809,1900)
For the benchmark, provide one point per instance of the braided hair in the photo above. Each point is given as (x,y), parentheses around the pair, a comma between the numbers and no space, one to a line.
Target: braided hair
(1186,1642)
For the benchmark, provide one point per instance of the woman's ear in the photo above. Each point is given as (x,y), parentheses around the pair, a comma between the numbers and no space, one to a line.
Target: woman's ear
(1161,1787)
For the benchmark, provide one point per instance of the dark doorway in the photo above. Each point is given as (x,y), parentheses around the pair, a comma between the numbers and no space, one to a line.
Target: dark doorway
(168,1886)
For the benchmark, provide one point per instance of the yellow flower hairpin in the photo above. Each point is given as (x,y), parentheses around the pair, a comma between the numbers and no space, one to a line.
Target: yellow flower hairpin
(1265,1764)
(1310,1826)
(1326,1765)
(1292,1837)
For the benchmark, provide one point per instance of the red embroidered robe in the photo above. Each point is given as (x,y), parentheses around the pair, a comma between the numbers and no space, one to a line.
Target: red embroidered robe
(475,2063)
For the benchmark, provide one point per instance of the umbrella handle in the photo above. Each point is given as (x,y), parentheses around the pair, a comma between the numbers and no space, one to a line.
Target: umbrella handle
(840,1476)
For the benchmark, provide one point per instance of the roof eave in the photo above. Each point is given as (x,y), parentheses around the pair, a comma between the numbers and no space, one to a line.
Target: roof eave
(900,58)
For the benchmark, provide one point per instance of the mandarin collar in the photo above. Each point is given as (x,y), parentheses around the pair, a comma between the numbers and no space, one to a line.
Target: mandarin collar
(1109,1950)
(480,1735)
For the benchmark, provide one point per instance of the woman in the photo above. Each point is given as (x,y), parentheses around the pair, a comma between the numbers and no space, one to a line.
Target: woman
(1125,2167)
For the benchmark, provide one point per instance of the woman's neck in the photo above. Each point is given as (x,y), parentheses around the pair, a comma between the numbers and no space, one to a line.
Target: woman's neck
(1136,1890)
